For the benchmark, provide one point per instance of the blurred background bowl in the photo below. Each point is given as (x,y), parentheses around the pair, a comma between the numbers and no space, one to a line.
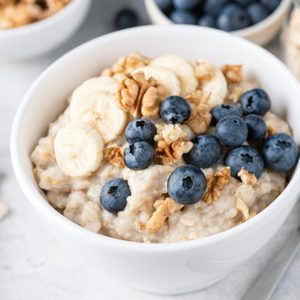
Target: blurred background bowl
(261,33)
(42,36)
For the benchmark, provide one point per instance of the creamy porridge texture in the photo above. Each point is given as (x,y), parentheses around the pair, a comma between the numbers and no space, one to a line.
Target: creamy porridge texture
(150,151)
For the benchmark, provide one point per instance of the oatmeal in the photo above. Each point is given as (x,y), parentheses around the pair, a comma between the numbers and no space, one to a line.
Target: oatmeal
(165,150)
(16,13)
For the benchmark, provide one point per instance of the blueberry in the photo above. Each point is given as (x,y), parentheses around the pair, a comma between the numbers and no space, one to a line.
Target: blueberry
(175,109)
(114,194)
(214,7)
(244,2)
(139,155)
(126,18)
(280,152)
(232,130)
(140,130)
(183,17)
(271,4)
(233,17)
(164,5)
(223,110)
(207,21)
(186,185)
(257,128)
(186,4)
(244,157)
(205,153)
(257,12)
(255,101)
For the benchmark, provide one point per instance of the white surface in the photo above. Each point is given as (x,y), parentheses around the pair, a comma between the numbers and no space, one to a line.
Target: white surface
(261,33)
(41,37)
(33,265)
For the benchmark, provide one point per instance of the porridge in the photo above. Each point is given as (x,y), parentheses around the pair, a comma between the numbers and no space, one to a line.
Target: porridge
(16,13)
(165,150)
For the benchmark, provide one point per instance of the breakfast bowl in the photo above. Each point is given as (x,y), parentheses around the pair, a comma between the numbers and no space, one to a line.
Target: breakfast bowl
(261,33)
(42,36)
(163,268)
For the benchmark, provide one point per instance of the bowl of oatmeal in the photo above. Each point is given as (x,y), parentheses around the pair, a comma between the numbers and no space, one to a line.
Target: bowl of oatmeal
(151,159)
(25,24)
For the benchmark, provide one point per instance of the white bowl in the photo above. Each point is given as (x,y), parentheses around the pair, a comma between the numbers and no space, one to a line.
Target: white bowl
(261,33)
(42,36)
(157,268)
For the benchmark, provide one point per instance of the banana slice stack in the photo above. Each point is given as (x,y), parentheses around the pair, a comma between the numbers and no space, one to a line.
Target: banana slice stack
(96,119)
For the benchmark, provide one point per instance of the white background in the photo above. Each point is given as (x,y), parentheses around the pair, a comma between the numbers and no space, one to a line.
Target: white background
(33,265)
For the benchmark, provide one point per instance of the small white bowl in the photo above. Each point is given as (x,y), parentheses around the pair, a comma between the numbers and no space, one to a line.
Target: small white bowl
(158,268)
(42,36)
(261,33)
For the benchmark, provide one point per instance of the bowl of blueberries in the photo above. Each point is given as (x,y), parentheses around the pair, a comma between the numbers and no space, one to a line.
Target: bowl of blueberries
(256,20)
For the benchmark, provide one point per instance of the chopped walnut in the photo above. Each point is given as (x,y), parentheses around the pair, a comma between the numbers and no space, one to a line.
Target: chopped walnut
(170,153)
(163,210)
(242,207)
(197,97)
(204,70)
(247,177)
(271,130)
(114,155)
(234,93)
(215,184)
(200,118)
(172,142)
(138,96)
(233,73)
(127,63)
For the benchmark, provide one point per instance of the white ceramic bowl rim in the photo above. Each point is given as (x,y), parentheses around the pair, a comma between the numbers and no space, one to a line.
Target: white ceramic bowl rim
(33,195)
(40,25)
(283,6)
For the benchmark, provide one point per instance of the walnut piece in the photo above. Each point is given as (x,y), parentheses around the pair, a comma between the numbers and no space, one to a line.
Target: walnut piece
(215,184)
(163,210)
(233,73)
(172,142)
(127,63)
(234,93)
(170,153)
(138,96)
(114,155)
(204,70)
(200,118)
(271,130)
(242,207)
(197,97)
(247,177)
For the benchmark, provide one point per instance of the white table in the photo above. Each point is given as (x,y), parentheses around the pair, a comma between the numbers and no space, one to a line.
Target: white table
(33,265)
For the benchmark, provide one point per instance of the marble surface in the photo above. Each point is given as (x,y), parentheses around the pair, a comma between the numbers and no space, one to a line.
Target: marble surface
(33,265)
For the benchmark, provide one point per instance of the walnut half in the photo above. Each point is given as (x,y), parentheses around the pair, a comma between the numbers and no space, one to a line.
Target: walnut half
(139,96)
(215,184)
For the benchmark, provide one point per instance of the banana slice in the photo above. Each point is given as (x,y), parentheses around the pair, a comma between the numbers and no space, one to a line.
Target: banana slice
(100,111)
(215,88)
(165,77)
(78,150)
(103,84)
(180,67)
